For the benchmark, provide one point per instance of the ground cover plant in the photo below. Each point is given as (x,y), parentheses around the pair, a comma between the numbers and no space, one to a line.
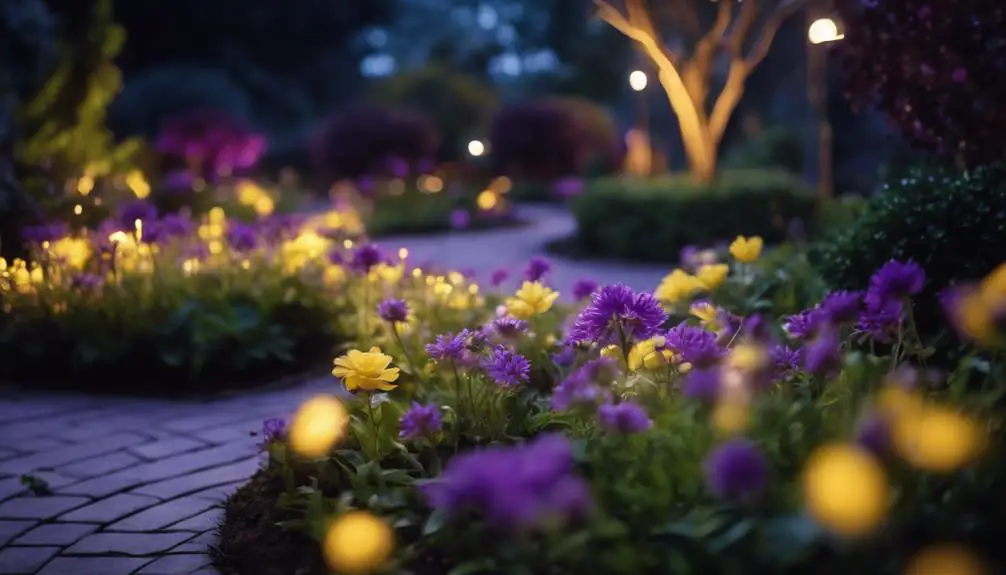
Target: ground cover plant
(685,430)
(198,302)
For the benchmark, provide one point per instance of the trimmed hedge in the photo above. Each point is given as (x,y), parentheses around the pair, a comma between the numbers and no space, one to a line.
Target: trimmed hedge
(952,224)
(652,220)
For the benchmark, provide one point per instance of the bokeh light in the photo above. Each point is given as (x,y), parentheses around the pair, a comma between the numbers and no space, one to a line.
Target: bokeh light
(317,426)
(357,543)
(845,489)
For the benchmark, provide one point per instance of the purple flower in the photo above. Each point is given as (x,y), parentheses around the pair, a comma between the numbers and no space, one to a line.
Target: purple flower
(45,232)
(506,368)
(393,310)
(702,385)
(241,237)
(758,327)
(419,421)
(367,256)
(894,281)
(841,306)
(568,187)
(174,226)
(804,324)
(499,276)
(736,470)
(874,434)
(272,430)
(625,418)
(460,219)
(785,361)
(446,347)
(86,282)
(536,269)
(137,210)
(617,310)
(565,357)
(583,386)
(582,288)
(880,321)
(822,354)
(513,487)
(692,258)
(509,327)
(696,345)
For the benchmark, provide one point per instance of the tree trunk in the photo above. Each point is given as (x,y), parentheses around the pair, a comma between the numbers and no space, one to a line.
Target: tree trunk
(699,144)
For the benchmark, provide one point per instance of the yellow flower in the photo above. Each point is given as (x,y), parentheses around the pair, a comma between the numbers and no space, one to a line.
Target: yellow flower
(976,309)
(645,354)
(748,357)
(366,371)
(845,489)
(531,299)
(713,275)
(74,252)
(677,286)
(731,417)
(386,273)
(937,439)
(706,312)
(358,542)
(333,275)
(613,353)
(945,559)
(264,206)
(317,426)
(746,250)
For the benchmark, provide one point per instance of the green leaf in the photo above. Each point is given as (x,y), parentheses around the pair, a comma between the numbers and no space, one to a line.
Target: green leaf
(478,566)
(435,522)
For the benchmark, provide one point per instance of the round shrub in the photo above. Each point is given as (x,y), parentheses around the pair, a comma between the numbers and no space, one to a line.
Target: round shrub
(936,68)
(374,140)
(652,220)
(551,139)
(952,224)
(161,95)
(459,104)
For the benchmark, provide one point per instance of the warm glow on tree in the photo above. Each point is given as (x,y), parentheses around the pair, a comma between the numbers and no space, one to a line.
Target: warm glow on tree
(686,75)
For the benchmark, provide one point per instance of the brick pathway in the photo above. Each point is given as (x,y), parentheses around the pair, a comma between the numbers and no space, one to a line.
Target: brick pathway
(136,482)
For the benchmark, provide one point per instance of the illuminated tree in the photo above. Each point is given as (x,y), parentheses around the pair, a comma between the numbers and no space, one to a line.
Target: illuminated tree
(686,46)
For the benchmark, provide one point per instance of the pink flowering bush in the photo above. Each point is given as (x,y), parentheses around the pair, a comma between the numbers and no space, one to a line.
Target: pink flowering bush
(637,432)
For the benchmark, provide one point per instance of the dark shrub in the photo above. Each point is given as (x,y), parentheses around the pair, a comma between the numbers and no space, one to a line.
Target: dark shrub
(938,68)
(460,105)
(551,139)
(774,147)
(160,95)
(374,140)
(652,220)
(952,224)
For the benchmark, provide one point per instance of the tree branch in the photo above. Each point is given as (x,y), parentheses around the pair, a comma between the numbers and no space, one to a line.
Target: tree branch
(726,102)
(748,14)
(649,42)
(709,43)
(784,10)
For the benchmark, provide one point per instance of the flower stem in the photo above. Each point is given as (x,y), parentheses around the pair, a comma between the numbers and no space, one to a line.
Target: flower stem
(408,358)
(375,426)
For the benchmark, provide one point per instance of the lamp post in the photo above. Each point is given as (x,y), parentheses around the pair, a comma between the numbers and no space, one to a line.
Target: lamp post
(638,81)
(821,31)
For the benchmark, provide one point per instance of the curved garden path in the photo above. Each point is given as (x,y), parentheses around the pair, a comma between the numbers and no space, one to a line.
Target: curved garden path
(135,483)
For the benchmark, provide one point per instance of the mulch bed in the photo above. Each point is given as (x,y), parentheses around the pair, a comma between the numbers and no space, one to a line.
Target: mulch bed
(251,543)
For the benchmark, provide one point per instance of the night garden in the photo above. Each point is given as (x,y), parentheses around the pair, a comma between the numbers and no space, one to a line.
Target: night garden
(558,287)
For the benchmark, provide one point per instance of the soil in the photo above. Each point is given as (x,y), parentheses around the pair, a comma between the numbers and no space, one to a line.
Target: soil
(251,542)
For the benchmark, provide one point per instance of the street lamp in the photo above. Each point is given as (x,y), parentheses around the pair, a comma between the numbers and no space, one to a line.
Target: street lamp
(638,80)
(821,31)
(476,148)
